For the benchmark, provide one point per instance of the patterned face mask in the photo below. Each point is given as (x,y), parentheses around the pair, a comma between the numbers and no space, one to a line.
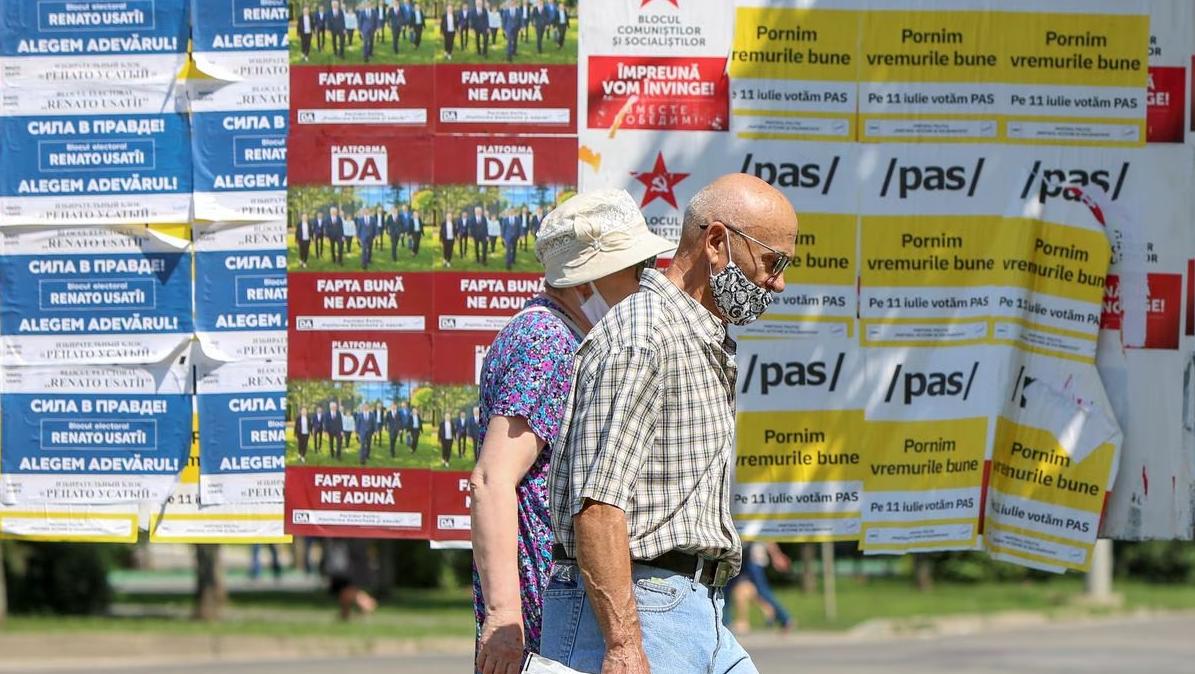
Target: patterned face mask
(737,297)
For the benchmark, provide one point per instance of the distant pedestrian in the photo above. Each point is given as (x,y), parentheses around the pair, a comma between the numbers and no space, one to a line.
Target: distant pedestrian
(346,562)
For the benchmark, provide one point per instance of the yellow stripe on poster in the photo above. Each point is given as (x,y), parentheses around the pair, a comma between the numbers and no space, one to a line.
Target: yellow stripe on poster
(179,230)
(1063,261)
(964,543)
(936,250)
(1040,559)
(966,325)
(795,44)
(922,456)
(806,446)
(825,250)
(1102,50)
(1030,463)
(190,474)
(1021,531)
(1133,138)
(807,516)
(924,46)
(806,318)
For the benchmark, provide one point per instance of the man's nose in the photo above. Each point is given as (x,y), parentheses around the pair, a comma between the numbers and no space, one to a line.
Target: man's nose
(776,283)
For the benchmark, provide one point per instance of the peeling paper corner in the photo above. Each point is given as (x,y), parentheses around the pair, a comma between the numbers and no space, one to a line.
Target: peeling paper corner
(1129,254)
(1080,426)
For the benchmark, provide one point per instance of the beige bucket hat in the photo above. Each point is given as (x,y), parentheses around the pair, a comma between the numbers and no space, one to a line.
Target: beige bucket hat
(592,235)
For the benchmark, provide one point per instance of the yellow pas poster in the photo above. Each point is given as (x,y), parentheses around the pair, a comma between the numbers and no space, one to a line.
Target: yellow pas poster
(793,73)
(799,462)
(926,439)
(1052,461)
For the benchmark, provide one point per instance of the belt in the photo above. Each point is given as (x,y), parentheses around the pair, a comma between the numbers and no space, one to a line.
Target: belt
(710,572)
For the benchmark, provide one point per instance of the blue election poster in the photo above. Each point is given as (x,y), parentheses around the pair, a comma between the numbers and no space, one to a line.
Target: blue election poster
(241,290)
(66,57)
(241,39)
(95,170)
(242,432)
(92,295)
(240,164)
(92,434)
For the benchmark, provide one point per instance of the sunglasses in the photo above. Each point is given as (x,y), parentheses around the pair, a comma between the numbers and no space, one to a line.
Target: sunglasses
(783,260)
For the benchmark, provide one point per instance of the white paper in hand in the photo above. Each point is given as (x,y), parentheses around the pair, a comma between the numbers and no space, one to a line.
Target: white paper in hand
(537,664)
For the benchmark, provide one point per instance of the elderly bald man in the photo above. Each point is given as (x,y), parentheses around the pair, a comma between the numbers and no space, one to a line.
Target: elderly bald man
(640,486)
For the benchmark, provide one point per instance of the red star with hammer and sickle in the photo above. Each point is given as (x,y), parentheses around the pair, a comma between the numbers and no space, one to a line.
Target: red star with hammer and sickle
(646,2)
(659,183)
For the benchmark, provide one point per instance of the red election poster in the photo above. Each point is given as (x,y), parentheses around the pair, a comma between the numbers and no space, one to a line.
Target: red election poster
(363,68)
(484,98)
(1162,314)
(1166,104)
(1171,25)
(361,287)
(450,520)
(658,93)
(362,452)
(518,77)
(388,98)
(492,193)
(482,301)
(356,327)
(358,502)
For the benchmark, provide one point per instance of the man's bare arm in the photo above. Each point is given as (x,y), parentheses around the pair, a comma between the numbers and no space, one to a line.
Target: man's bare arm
(601,534)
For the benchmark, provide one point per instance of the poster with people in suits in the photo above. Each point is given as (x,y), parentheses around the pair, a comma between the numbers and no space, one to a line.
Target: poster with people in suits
(394,424)
(362,228)
(507,66)
(360,263)
(365,458)
(507,31)
(352,32)
(362,64)
(427,141)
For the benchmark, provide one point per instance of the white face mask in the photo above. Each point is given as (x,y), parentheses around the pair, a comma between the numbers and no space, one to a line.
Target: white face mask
(595,307)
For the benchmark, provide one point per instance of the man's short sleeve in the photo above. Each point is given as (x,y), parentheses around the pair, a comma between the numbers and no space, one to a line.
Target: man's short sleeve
(613,427)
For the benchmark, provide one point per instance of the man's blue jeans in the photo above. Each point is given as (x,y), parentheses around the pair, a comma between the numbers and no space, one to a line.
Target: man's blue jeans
(681,620)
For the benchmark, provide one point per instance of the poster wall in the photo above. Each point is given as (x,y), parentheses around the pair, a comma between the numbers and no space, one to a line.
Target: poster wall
(141,219)
(990,242)
(301,252)
(424,155)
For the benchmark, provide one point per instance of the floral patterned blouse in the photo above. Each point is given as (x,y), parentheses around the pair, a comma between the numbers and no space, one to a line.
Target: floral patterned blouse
(527,373)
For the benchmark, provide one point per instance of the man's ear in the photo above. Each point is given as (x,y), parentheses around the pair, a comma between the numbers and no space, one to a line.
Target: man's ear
(714,243)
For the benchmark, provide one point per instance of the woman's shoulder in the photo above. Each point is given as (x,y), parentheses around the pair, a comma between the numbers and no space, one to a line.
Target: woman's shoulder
(539,326)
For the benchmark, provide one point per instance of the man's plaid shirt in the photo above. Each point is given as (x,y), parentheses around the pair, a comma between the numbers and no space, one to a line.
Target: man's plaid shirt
(649,426)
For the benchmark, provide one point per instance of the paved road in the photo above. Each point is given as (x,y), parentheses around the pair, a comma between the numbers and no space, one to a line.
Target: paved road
(1155,645)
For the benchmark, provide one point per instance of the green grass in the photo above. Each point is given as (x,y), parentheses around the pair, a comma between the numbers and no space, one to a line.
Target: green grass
(429,258)
(407,614)
(861,600)
(426,455)
(420,614)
